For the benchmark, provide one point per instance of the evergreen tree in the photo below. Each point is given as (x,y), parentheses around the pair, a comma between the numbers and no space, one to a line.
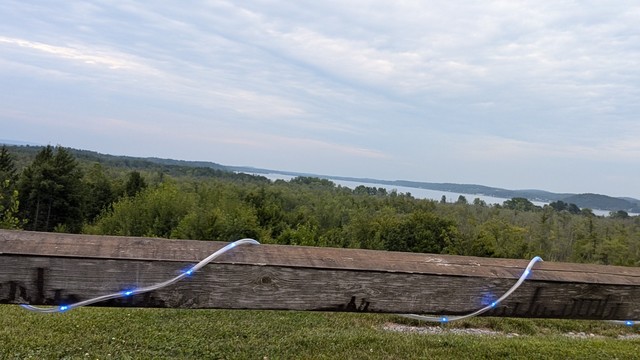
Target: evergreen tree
(7,165)
(100,194)
(9,208)
(8,175)
(135,183)
(50,191)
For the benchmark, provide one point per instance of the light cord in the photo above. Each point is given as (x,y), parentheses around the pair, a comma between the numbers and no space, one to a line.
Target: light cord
(493,305)
(441,319)
(127,293)
(625,322)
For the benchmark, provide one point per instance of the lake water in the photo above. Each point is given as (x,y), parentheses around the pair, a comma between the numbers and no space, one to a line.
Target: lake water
(415,192)
(422,193)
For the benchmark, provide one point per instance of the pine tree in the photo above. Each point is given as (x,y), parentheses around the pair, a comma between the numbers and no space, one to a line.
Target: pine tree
(8,176)
(7,165)
(135,183)
(51,192)
(100,194)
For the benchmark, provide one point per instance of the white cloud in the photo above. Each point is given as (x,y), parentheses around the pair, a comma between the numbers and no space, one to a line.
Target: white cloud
(100,57)
(499,149)
(485,81)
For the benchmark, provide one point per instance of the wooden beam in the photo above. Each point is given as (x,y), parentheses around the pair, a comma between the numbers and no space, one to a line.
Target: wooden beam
(48,268)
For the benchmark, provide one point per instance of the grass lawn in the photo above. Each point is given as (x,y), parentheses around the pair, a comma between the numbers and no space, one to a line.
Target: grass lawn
(126,333)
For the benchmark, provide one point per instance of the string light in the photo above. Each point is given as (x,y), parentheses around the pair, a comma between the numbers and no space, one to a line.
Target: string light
(141,290)
(492,305)
(208,259)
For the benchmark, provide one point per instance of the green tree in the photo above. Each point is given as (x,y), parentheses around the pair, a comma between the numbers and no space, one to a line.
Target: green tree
(303,234)
(9,208)
(479,202)
(462,200)
(620,214)
(219,213)
(420,232)
(100,194)
(573,209)
(587,212)
(313,181)
(268,205)
(587,239)
(153,212)
(135,183)
(497,238)
(521,204)
(362,230)
(50,190)
(7,165)
(563,206)
(8,177)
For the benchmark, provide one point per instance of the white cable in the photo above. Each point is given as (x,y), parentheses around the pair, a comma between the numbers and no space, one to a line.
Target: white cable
(445,319)
(208,259)
(625,322)
(145,289)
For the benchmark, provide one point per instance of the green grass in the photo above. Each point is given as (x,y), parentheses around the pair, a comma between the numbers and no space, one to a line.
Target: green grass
(104,333)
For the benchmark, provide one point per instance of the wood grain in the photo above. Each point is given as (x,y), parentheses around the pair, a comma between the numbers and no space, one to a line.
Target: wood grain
(47,268)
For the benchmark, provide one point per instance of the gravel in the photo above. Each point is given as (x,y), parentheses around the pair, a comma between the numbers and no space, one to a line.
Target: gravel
(441,330)
(437,330)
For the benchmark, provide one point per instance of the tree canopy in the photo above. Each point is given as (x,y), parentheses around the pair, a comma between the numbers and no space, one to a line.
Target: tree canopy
(54,191)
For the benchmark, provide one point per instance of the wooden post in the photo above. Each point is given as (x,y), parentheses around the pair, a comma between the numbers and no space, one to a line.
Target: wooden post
(47,269)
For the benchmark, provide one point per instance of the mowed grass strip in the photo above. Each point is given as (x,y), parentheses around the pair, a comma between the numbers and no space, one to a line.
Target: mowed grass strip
(126,333)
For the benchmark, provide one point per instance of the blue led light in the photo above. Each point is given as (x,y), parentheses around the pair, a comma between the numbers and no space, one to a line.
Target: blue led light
(489,300)
(188,271)
(141,290)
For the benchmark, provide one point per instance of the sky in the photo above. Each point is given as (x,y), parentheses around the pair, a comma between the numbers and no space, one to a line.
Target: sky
(512,94)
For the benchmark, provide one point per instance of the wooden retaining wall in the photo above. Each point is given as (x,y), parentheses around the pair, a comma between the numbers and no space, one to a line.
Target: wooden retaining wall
(52,269)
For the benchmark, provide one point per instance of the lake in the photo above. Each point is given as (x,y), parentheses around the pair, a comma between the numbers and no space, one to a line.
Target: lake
(420,193)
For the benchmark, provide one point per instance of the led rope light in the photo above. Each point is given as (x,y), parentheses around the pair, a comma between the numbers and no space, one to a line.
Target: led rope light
(441,319)
(127,293)
(493,305)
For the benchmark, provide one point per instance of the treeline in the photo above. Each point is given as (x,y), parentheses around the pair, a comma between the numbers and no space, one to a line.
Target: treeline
(56,192)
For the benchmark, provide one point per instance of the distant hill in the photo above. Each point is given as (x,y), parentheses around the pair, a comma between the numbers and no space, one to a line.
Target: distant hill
(597,201)
(26,153)
(591,201)
(199,168)
(15,142)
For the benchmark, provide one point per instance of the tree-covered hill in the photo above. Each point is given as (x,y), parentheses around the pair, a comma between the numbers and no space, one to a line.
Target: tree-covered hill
(58,189)
(592,201)
(596,201)
(25,154)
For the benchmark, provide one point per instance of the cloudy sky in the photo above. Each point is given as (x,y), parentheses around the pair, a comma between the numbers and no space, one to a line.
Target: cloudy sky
(512,94)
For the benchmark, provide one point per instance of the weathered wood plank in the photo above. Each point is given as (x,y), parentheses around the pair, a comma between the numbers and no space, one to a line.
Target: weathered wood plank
(46,268)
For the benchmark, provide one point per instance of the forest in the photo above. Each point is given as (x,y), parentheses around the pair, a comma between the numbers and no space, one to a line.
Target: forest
(51,189)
